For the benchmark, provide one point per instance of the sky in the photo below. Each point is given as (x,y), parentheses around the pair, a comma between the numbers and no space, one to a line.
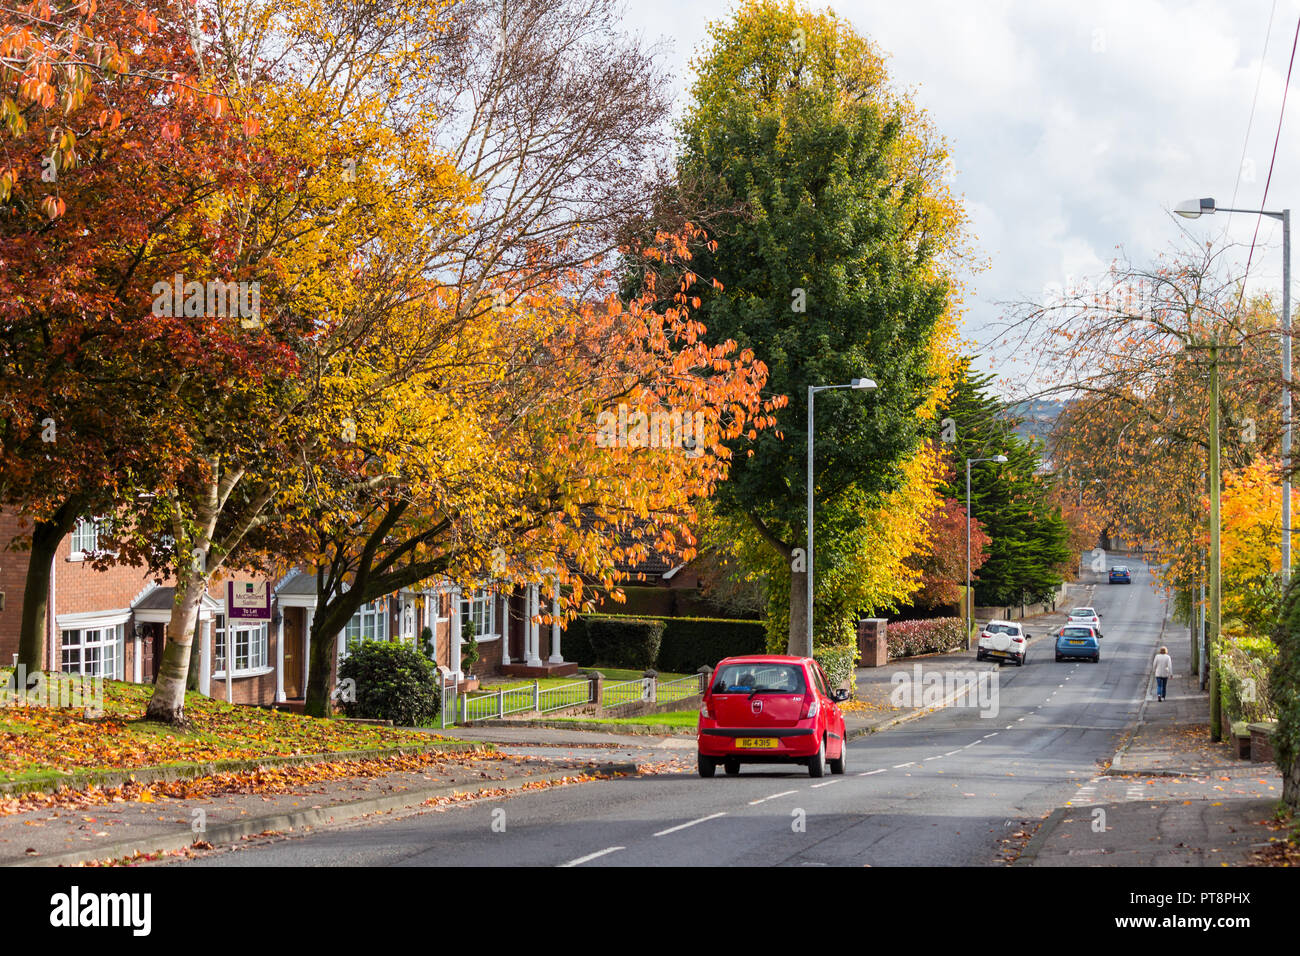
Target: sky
(1076,127)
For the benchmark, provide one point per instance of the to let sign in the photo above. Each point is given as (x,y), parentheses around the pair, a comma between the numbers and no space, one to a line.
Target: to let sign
(248,601)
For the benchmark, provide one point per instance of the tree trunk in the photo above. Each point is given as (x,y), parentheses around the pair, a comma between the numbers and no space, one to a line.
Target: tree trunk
(196,663)
(320,667)
(46,536)
(167,704)
(800,643)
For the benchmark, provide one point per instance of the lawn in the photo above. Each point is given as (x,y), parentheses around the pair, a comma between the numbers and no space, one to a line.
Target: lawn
(37,742)
(612,676)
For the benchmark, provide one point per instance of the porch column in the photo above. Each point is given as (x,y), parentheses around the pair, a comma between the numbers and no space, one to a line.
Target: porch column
(137,665)
(453,652)
(505,628)
(306,648)
(205,663)
(279,655)
(534,628)
(556,657)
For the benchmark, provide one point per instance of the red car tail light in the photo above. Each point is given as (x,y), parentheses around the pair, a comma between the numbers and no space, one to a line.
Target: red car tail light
(1018,640)
(810,707)
(704,710)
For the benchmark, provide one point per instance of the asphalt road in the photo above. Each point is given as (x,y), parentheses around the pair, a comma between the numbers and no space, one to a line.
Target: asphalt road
(943,789)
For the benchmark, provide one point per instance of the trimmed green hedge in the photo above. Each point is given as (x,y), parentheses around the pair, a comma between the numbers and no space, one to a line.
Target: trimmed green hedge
(933,635)
(625,642)
(687,643)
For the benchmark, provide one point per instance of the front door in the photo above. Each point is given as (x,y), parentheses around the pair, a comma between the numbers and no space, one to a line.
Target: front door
(293,621)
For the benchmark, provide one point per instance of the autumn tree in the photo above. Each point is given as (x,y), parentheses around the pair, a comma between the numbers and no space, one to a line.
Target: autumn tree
(834,265)
(110,168)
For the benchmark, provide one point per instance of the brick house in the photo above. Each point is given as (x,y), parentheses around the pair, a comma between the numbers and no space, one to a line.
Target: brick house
(112,623)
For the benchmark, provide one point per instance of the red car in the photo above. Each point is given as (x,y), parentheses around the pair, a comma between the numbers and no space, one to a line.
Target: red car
(771,709)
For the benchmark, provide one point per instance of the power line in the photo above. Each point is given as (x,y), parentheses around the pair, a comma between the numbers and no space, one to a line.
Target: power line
(1276,139)
(1250,123)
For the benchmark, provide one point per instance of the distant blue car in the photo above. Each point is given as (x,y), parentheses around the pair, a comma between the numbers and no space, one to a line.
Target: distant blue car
(1077,641)
(1120,576)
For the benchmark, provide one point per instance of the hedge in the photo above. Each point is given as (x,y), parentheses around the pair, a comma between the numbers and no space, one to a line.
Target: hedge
(837,662)
(933,635)
(625,642)
(687,643)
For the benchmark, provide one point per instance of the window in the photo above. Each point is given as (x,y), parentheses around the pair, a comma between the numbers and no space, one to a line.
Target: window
(85,536)
(93,651)
(759,678)
(249,640)
(370,623)
(480,610)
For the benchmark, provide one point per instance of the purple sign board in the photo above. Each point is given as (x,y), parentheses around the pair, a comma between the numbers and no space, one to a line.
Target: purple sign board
(248,601)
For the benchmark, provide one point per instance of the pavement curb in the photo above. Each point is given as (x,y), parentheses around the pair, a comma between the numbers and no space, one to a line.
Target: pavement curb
(1029,854)
(319,816)
(82,780)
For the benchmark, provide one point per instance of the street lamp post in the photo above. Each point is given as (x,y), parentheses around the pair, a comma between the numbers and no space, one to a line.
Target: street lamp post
(1001,460)
(1195,208)
(857,384)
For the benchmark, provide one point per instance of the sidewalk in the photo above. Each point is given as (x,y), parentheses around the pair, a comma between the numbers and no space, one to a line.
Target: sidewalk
(73,827)
(1169,798)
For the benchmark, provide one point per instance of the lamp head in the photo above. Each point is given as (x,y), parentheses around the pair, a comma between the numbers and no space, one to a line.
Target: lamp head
(862,383)
(1195,208)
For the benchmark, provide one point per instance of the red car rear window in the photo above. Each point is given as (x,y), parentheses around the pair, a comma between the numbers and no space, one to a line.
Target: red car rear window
(759,678)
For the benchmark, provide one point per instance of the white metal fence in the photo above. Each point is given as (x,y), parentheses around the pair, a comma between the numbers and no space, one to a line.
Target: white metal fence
(492,705)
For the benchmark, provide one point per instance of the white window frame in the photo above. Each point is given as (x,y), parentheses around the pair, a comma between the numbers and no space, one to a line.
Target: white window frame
(369,623)
(86,532)
(73,641)
(481,608)
(250,640)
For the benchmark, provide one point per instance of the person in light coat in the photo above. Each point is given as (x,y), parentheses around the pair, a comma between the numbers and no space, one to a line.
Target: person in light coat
(1164,669)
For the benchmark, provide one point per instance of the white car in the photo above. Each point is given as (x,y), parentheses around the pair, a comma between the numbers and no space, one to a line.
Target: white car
(1086,615)
(1002,641)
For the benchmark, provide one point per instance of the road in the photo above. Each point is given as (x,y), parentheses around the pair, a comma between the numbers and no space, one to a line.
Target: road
(944,789)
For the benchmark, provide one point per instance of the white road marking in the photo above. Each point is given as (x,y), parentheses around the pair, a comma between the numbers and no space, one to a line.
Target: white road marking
(683,826)
(826,784)
(868,773)
(900,766)
(591,856)
(783,793)
(951,752)
(987,736)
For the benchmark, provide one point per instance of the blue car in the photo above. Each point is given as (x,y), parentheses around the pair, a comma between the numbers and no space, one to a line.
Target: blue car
(1120,576)
(1077,641)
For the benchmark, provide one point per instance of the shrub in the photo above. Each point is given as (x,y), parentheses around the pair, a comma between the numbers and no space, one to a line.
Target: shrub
(427,646)
(933,635)
(392,681)
(837,661)
(1285,682)
(625,642)
(1243,684)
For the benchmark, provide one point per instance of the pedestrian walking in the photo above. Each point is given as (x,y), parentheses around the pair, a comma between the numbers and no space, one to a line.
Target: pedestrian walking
(1164,669)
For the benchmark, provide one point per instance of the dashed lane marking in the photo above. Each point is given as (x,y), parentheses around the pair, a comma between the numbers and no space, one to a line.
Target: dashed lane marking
(592,856)
(683,826)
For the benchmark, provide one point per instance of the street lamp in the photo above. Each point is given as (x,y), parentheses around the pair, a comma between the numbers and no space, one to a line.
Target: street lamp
(1194,209)
(997,459)
(856,384)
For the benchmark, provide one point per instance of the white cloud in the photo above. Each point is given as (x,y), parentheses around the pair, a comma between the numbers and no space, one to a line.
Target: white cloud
(1076,126)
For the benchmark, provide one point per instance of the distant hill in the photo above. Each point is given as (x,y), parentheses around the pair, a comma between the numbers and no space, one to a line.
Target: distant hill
(1037,416)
